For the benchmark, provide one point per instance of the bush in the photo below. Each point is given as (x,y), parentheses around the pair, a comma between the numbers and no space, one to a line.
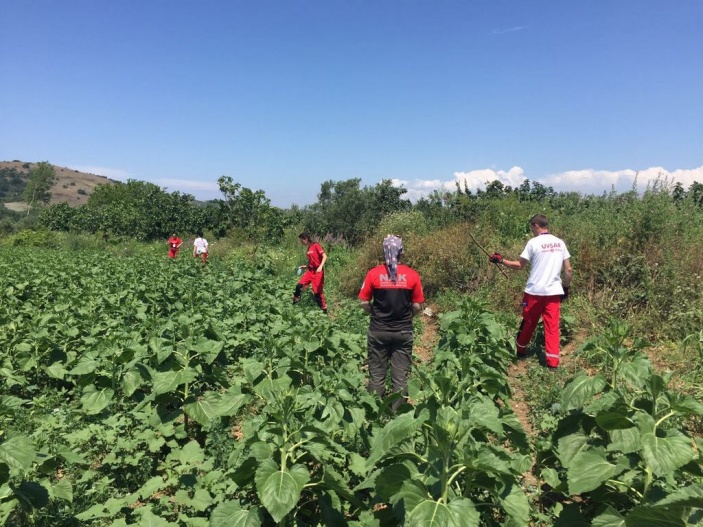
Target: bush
(29,238)
(404,224)
(445,258)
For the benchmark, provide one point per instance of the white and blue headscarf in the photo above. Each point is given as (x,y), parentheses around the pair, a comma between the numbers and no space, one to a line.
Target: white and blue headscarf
(392,249)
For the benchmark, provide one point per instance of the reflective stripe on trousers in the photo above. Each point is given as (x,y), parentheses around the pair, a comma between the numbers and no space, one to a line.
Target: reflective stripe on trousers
(547,307)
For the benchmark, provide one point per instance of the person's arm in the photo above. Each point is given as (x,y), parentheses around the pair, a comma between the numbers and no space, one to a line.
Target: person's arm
(568,273)
(366,295)
(518,265)
(418,297)
(322,263)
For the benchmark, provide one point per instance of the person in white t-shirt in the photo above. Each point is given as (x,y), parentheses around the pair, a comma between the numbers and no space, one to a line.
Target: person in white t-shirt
(200,247)
(545,289)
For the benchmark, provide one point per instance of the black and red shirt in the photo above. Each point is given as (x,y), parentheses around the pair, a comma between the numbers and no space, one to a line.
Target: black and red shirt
(392,307)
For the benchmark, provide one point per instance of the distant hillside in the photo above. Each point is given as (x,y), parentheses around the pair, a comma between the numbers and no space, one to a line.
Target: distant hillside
(71,186)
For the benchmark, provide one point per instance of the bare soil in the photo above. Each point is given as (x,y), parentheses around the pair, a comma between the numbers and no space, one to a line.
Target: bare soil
(425,344)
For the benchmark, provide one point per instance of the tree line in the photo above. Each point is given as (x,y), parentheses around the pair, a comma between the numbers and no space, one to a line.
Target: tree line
(345,211)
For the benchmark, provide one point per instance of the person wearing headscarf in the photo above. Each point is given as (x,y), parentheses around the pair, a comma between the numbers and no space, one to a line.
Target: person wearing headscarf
(392,295)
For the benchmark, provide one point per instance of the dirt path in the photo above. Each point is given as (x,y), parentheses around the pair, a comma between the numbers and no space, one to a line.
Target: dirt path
(518,371)
(425,343)
(517,374)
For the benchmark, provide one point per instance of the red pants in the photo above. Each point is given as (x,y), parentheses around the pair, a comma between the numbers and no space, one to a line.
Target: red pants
(172,253)
(534,307)
(317,281)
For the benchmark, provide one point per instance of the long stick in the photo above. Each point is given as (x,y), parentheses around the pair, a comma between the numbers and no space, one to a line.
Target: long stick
(486,253)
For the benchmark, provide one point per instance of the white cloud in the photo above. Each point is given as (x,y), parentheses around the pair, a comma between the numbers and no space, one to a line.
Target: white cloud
(590,181)
(476,179)
(507,30)
(688,176)
(585,181)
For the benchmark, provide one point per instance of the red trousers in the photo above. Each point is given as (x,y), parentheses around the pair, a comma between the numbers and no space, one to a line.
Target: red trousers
(317,281)
(534,307)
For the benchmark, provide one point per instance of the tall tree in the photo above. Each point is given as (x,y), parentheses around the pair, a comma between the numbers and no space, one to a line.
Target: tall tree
(346,210)
(41,178)
(248,210)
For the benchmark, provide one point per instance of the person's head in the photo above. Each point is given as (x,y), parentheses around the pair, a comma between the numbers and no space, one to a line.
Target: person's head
(173,235)
(200,234)
(392,252)
(304,238)
(392,246)
(539,223)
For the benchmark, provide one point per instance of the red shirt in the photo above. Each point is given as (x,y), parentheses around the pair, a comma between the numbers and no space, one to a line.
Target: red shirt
(173,243)
(315,252)
(392,307)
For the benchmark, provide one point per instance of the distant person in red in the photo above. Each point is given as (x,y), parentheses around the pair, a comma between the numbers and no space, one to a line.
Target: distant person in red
(174,243)
(392,295)
(315,272)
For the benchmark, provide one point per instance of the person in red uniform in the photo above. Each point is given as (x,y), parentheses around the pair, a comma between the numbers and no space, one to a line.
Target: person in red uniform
(396,292)
(314,274)
(174,243)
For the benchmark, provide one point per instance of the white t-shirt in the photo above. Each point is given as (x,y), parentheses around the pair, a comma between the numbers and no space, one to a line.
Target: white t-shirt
(200,245)
(546,254)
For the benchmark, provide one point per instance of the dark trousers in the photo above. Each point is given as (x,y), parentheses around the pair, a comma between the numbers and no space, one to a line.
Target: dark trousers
(393,346)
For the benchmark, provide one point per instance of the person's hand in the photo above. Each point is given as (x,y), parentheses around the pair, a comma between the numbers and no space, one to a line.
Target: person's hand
(496,258)
(319,269)
(566,293)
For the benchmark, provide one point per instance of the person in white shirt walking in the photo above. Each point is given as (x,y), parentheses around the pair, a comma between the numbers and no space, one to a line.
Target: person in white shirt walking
(200,248)
(547,256)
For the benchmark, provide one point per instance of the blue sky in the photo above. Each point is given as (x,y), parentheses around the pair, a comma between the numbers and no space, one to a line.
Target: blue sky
(283,95)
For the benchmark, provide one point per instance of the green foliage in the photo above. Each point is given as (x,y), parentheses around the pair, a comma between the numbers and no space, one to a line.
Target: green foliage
(249,212)
(634,255)
(137,390)
(618,441)
(136,208)
(40,179)
(28,238)
(347,211)
(12,184)
(9,220)
(445,258)
(404,224)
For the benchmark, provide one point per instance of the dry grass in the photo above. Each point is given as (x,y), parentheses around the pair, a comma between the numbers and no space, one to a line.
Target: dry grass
(71,186)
